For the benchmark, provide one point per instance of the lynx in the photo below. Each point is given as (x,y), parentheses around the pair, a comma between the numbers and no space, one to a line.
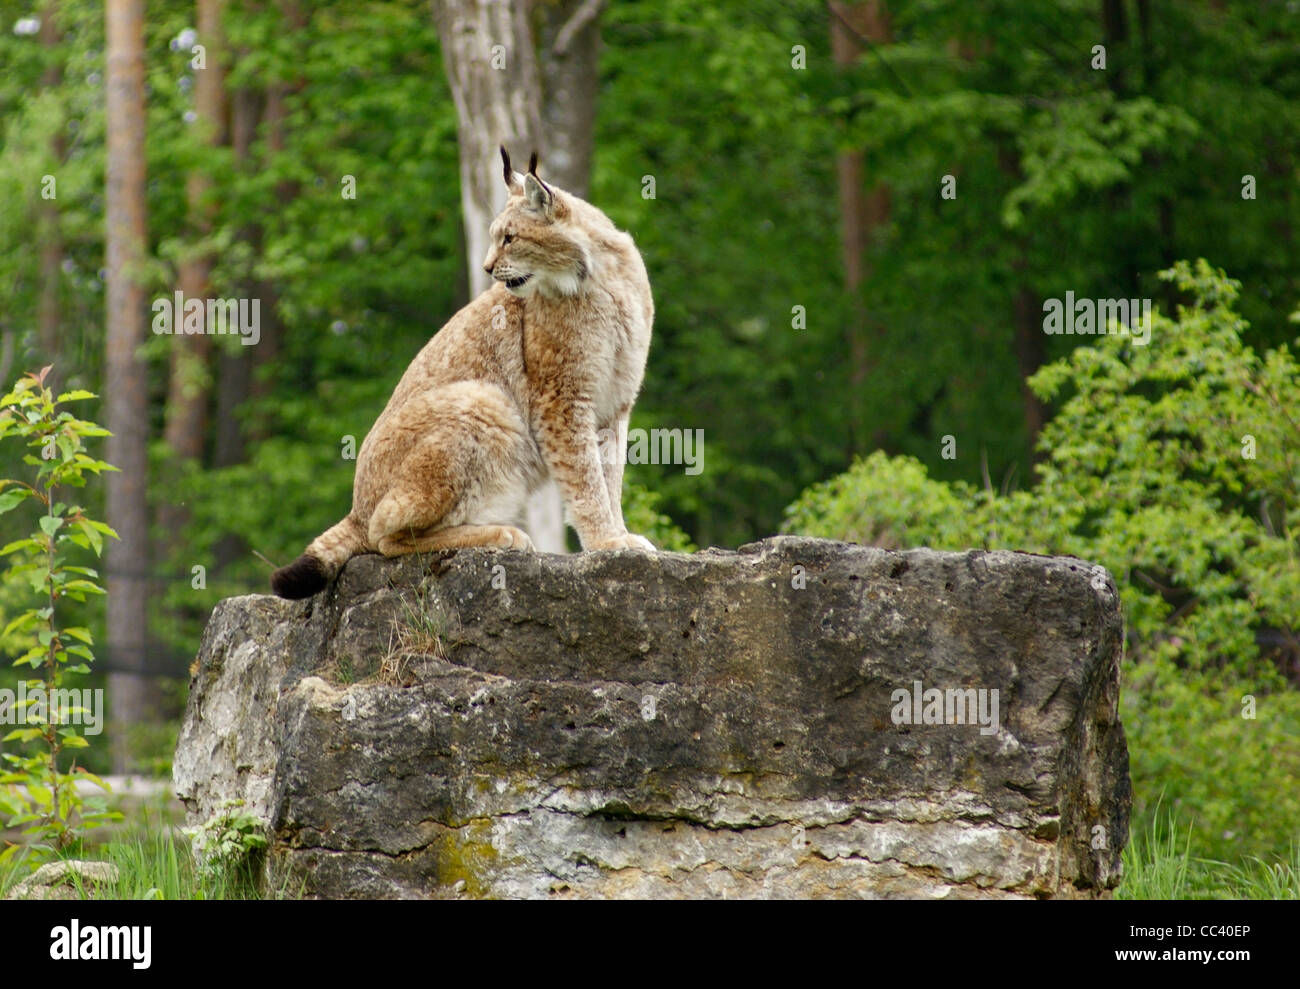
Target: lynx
(521,385)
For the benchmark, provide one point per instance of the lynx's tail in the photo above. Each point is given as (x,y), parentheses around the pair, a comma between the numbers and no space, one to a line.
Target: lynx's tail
(320,561)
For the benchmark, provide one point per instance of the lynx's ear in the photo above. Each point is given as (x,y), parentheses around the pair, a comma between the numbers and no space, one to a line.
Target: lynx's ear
(514,181)
(539,197)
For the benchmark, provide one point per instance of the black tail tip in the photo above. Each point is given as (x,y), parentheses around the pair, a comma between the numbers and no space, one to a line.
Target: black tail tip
(300,579)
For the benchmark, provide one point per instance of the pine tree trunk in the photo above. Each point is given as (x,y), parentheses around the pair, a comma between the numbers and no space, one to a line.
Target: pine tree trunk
(862,212)
(49,311)
(132,696)
(189,381)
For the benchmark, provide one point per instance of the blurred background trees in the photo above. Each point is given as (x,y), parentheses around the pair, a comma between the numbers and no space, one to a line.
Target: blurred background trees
(851,214)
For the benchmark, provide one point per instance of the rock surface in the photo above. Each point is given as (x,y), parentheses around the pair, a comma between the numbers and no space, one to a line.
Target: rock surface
(67,879)
(725,724)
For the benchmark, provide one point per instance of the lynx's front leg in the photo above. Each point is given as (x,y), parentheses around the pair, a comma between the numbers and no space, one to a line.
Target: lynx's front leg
(567,434)
(613,451)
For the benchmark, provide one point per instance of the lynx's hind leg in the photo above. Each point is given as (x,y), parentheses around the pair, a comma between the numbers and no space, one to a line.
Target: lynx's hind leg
(455,537)
(467,476)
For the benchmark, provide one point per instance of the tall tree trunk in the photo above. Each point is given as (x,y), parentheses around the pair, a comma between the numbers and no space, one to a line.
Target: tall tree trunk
(863,213)
(189,380)
(126,411)
(1120,73)
(568,57)
(1027,318)
(487,51)
(235,368)
(276,115)
(499,84)
(1029,358)
(49,314)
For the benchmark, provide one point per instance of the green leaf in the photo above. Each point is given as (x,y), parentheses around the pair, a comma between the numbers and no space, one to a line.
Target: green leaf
(78,632)
(92,534)
(25,620)
(83,586)
(11,498)
(94,779)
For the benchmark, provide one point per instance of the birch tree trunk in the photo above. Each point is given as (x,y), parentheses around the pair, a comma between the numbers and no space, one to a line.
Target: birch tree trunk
(487,51)
(508,92)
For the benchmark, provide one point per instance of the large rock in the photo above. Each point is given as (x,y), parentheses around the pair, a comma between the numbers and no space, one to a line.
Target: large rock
(717,725)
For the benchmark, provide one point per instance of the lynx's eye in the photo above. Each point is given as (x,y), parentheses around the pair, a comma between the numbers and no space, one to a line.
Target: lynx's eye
(507,239)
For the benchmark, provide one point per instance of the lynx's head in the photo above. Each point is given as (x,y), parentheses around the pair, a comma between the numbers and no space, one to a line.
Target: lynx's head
(538,242)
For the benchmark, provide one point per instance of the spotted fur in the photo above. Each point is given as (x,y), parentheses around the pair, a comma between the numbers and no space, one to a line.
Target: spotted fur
(521,385)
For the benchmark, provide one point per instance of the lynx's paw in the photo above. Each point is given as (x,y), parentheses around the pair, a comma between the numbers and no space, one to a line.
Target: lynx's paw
(512,538)
(629,540)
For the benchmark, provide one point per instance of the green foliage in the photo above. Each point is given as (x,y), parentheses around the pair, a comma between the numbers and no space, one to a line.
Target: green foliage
(1067,178)
(155,865)
(1158,865)
(154,862)
(642,516)
(741,229)
(228,842)
(1174,465)
(885,501)
(1157,861)
(36,793)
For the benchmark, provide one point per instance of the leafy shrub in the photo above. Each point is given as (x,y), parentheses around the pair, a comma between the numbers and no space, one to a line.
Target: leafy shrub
(1176,465)
(36,792)
(228,842)
(642,516)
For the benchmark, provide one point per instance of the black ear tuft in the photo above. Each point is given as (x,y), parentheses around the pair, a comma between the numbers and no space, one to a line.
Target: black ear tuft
(505,160)
(532,164)
(300,579)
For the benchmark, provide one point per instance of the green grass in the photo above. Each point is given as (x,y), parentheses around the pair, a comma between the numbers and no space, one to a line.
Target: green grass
(1158,865)
(154,863)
